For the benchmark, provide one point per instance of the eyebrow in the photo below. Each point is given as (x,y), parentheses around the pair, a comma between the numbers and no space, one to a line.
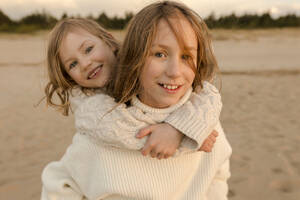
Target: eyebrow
(67,60)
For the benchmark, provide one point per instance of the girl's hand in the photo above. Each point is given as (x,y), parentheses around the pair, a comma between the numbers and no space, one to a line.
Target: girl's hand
(209,142)
(163,141)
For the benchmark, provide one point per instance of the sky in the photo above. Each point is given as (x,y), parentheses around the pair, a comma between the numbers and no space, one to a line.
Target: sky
(17,9)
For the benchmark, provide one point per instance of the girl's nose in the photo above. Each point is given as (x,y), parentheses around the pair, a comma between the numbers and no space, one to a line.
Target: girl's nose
(85,63)
(173,68)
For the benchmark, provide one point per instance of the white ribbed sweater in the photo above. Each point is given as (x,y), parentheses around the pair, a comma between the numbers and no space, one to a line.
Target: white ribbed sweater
(95,167)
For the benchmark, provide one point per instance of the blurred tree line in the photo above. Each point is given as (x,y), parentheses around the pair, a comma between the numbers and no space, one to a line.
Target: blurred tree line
(252,21)
(43,20)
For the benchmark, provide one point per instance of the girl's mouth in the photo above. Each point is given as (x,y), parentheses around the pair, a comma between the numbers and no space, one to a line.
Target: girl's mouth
(170,88)
(95,72)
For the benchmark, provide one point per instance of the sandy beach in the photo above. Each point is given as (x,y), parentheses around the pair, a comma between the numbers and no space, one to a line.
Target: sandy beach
(260,92)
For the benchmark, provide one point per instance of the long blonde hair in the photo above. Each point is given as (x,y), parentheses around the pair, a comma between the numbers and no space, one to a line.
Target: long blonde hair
(138,41)
(60,83)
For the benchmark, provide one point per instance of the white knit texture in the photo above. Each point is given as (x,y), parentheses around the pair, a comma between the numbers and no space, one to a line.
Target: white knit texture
(194,118)
(104,172)
(103,161)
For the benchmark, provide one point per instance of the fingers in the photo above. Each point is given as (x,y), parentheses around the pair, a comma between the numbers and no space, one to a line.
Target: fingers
(207,147)
(211,139)
(166,156)
(149,149)
(215,133)
(153,153)
(209,142)
(144,131)
(160,155)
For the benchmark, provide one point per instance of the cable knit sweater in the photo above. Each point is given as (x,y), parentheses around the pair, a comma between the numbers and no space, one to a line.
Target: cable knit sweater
(93,116)
(105,164)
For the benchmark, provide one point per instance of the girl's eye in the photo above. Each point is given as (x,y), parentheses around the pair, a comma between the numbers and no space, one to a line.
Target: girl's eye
(159,55)
(89,49)
(73,64)
(185,57)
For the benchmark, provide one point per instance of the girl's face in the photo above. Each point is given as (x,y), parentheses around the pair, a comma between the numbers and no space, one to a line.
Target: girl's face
(167,75)
(86,58)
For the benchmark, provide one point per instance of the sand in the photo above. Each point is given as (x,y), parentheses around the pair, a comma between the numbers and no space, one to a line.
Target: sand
(260,92)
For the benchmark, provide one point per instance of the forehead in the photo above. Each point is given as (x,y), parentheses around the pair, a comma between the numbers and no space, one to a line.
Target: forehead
(178,28)
(72,41)
(76,35)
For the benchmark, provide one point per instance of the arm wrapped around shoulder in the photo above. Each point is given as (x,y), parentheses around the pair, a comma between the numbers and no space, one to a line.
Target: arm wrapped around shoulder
(100,117)
(90,111)
(198,117)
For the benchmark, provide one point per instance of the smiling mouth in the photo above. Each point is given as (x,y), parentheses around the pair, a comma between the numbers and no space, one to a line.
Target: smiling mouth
(92,74)
(170,87)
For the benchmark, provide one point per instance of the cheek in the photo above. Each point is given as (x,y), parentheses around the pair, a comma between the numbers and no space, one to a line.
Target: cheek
(147,79)
(144,81)
(112,61)
(192,75)
(106,74)
(72,75)
(189,74)
(154,70)
(100,52)
(147,74)
(75,75)
(105,51)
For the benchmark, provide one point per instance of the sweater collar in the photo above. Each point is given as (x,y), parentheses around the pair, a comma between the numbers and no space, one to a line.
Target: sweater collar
(145,108)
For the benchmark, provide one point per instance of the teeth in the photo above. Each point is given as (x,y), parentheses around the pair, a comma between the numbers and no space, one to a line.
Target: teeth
(170,87)
(94,73)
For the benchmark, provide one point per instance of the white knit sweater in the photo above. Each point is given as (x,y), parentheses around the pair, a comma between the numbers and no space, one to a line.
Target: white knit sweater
(195,118)
(102,162)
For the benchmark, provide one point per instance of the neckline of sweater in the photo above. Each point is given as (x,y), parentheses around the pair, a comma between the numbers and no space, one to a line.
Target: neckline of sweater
(148,109)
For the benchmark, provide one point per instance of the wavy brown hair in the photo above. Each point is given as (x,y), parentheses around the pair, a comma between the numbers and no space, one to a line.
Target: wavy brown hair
(60,83)
(138,41)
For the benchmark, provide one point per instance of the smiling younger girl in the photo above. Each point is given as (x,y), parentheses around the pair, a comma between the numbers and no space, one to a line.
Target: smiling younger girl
(95,69)
(155,78)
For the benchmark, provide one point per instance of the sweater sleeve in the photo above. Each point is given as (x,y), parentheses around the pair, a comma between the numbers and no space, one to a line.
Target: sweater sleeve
(218,188)
(197,118)
(100,117)
(57,184)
